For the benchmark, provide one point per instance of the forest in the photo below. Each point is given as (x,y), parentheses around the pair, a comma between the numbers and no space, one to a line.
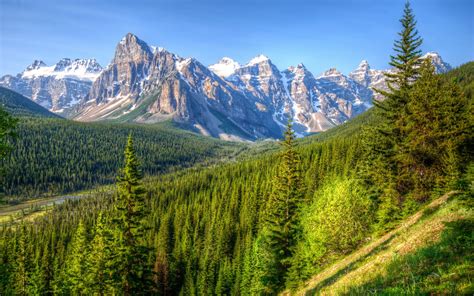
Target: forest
(56,156)
(261,224)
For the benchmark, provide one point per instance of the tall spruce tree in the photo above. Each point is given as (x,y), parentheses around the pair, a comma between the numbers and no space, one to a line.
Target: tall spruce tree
(405,61)
(7,129)
(98,260)
(384,169)
(438,125)
(131,267)
(76,268)
(288,195)
(23,266)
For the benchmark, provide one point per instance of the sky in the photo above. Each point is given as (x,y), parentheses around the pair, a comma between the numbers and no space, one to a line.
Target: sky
(321,34)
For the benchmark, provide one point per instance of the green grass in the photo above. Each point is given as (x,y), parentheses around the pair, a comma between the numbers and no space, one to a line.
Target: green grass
(430,253)
(444,268)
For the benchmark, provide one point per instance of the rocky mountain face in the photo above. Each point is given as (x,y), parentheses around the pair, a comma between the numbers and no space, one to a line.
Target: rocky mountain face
(440,65)
(228,100)
(58,87)
(147,84)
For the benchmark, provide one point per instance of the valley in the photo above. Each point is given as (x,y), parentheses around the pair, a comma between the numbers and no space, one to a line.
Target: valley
(159,174)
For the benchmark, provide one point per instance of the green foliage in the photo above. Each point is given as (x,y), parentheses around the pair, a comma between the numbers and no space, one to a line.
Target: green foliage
(203,223)
(281,227)
(438,124)
(407,55)
(336,222)
(444,268)
(130,265)
(7,130)
(463,76)
(75,277)
(99,260)
(55,156)
(21,106)
(213,230)
(421,133)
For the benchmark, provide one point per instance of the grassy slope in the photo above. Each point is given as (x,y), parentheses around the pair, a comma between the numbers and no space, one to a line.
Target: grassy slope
(421,256)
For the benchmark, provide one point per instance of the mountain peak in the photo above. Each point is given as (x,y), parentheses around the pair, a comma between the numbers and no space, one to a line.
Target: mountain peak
(301,66)
(82,66)
(431,54)
(227,60)
(131,48)
(364,64)
(82,69)
(331,72)
(440,65)
(225,67)
(35,65)
(258,59)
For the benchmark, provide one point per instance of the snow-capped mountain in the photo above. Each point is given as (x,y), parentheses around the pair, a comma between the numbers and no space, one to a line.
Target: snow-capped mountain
(228,100)
(225,67)
(58,87)
(147,84)
(440,65)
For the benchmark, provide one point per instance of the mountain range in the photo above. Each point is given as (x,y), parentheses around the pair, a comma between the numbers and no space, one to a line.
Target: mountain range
(227,100)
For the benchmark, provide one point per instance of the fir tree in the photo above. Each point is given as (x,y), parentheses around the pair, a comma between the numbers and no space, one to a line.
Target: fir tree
(7,126)
(98,266)
(23,268)
(287,197)
(438,123)
(131,266)
(384,141)
(76,269)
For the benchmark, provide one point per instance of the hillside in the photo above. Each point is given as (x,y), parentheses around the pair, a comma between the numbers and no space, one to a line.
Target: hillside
(53,156)
(429,253)
(18,105)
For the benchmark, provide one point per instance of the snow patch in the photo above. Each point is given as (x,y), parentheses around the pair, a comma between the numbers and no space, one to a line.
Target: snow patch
(225,67)
(258,59)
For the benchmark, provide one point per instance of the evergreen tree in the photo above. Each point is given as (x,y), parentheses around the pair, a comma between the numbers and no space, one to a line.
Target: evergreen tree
(287,196)
(76,269)
(383,169)
(98,260)
(131,267)
(438,123)
(23,268)
(47,274)
(406,60)
(7,126)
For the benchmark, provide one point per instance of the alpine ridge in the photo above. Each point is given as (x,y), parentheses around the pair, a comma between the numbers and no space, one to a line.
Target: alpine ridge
(227,100)
(57,88)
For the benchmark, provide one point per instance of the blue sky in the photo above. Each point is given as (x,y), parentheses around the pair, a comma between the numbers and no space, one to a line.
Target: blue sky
(319,33)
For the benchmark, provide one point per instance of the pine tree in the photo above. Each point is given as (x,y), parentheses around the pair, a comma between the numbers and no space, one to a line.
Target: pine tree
(438,124)
(405,62)
(76,269)
(98,266)
(23,268)
(283,207)
(7,126)
(162,266)
(131,267)
(383,142)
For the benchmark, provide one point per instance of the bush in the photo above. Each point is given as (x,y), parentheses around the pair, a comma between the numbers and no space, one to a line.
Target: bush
(334,224)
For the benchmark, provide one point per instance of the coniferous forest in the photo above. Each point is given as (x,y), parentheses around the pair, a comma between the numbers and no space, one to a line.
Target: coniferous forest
(191,215)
